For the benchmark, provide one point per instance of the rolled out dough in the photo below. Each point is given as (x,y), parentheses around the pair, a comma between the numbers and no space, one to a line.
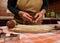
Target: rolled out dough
(32,28)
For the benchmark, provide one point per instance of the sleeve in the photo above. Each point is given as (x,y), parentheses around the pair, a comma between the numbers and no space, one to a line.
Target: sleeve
(12,6)
(45,5)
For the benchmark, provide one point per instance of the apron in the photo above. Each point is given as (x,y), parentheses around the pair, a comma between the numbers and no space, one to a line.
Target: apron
(29,6)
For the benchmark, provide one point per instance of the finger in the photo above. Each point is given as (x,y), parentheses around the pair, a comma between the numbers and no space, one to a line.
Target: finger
(29,15)
(36,15)
(38,19)
(27,18)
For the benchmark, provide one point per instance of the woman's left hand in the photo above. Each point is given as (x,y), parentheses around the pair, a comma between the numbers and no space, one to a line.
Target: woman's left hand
(38,17)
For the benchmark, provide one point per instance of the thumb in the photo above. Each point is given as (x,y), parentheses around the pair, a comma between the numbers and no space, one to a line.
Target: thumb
(29,15)
(36,15)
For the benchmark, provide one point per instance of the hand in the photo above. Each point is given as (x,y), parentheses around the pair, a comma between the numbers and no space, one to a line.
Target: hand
(38,17)
(25,16)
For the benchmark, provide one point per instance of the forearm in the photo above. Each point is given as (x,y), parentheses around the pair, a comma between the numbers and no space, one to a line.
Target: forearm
(45,5)
(13,10)
(12,6)
(43,11)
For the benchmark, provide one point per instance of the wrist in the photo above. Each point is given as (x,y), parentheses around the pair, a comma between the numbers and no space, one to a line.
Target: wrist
(20,13)
(43,11)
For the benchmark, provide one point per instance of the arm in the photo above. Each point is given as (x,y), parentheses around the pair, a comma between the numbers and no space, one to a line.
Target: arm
(39,15)
(12,6)
(44,7)
(13,9)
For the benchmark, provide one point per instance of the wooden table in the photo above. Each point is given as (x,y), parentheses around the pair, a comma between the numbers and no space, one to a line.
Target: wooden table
(50,37)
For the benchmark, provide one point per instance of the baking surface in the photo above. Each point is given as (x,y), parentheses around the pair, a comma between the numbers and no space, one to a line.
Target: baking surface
(50,37)
(40,38)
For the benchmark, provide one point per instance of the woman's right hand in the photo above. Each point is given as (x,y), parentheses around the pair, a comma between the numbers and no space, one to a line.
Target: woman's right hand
(25,16)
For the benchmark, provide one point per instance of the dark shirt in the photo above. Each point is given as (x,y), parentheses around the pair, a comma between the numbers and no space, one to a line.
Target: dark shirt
(12,6)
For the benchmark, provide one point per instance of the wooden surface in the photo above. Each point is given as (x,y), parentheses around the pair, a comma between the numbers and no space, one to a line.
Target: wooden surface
(50,37)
